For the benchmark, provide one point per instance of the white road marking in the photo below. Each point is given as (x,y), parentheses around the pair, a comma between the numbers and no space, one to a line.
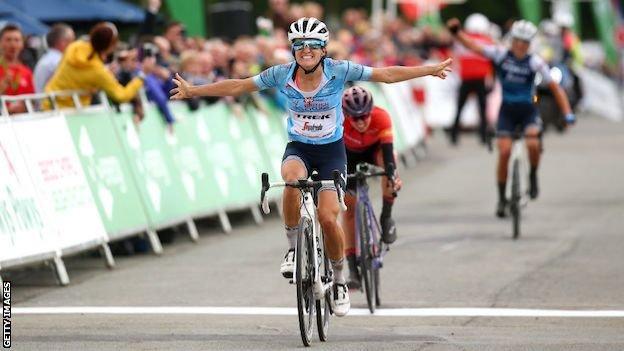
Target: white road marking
(288,311)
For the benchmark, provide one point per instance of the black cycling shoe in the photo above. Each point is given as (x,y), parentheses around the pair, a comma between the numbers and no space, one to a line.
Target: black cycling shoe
(501,209)
(388,230)
(533,188)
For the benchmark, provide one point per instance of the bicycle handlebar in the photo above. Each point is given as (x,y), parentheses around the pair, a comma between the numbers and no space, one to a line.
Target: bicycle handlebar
(301,184)
(367,170)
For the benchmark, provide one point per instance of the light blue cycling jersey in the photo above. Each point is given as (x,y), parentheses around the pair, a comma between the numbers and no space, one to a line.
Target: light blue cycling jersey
(315,117)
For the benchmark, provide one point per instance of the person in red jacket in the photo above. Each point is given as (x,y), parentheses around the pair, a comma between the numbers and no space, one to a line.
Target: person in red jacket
(15,77)
(475,71)
(367,138)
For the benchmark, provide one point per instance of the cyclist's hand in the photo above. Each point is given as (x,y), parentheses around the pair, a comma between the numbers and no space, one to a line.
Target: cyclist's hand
(442,69)
(570,118)
(453,25)
(398,184)
(181,91)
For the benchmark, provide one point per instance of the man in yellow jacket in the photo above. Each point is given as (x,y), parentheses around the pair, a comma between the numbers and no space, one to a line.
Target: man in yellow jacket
(82,68)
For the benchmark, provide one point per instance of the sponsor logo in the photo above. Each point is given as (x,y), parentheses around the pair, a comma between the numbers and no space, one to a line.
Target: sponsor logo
(312,127)
(307,102)
(313,117)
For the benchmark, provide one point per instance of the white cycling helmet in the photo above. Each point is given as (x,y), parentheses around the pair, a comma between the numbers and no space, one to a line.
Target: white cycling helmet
(564,19)
(523,30)
(477,23)
(308,28)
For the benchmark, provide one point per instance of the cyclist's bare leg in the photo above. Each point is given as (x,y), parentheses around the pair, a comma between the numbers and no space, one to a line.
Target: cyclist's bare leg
(348,224)
(385,219)
(348,228)
(504,152)
(533,146)
(292,170)
(328,209)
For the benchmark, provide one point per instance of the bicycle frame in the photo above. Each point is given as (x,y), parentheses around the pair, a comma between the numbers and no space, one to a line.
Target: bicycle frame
(519,152)
(379,249)
(308,209)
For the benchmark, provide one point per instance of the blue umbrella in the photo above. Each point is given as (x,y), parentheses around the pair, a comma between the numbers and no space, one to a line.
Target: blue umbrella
(29,25)
(80,10)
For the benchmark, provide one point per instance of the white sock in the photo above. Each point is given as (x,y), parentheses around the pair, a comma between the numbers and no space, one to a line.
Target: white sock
(338,266)
(291,235)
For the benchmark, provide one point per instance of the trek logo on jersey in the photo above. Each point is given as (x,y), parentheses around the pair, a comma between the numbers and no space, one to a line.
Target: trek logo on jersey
(313,124)
(306,116)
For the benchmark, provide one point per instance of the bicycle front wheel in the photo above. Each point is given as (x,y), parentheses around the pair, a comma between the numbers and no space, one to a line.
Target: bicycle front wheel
(304,280)
(515,199)
(323,307)
(366,256)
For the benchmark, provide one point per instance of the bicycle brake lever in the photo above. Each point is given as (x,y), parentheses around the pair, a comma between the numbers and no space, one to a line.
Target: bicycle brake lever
(265,187)
(339,190)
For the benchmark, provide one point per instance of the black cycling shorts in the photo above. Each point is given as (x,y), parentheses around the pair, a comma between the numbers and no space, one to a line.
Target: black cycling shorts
(353,158)
(324,158)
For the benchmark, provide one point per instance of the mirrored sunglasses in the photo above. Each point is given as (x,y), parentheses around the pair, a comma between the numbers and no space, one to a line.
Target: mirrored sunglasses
(312,44)
(359,118)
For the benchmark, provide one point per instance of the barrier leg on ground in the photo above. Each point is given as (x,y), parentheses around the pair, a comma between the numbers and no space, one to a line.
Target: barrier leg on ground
(225,222)
(192,229)
(60,270)
(154,241)
(108,255)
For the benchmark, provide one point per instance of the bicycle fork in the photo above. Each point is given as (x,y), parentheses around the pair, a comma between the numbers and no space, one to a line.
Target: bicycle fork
(319,287)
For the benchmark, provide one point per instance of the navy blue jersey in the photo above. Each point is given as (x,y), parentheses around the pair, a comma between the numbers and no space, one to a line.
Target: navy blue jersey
(517,76)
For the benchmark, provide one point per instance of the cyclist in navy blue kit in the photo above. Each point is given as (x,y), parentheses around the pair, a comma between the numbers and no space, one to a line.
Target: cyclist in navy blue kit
(313,84)
(516,68)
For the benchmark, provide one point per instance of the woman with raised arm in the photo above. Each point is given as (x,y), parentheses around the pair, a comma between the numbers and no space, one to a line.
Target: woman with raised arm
(313,84)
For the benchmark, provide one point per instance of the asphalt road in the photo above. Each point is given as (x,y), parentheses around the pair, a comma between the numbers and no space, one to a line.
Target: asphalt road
(451,253)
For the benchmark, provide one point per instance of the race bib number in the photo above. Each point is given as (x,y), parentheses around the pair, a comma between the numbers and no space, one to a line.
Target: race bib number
(313,125)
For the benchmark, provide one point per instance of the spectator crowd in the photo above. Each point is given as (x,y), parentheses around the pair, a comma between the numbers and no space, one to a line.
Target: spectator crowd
(100,61)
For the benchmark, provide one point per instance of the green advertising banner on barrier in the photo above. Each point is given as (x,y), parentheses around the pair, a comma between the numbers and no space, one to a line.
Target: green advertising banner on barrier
(379,98)
(166,192)
(270,132)
(235,154)
(192,155)
(107,171)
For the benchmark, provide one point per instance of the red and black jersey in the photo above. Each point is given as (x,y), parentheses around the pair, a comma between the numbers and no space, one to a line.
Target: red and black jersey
(379,131)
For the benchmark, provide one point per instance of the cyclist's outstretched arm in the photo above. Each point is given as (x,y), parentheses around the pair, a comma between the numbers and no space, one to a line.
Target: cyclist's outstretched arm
(454,26)
(395,74)
(228,87)
(560,97)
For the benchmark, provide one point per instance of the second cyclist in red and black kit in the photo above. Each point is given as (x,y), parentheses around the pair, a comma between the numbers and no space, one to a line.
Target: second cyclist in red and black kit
(367,138)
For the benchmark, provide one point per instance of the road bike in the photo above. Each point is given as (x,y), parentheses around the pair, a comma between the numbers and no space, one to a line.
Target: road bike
(313,275)
(517,181)
(369,250)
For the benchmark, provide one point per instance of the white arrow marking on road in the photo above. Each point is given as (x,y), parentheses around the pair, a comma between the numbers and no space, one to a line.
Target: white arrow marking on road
(289,311)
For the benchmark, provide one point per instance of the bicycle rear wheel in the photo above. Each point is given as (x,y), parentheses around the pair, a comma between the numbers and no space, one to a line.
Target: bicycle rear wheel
(377,283)
(323,307)
(304,279)
(515,199)
(366,256)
